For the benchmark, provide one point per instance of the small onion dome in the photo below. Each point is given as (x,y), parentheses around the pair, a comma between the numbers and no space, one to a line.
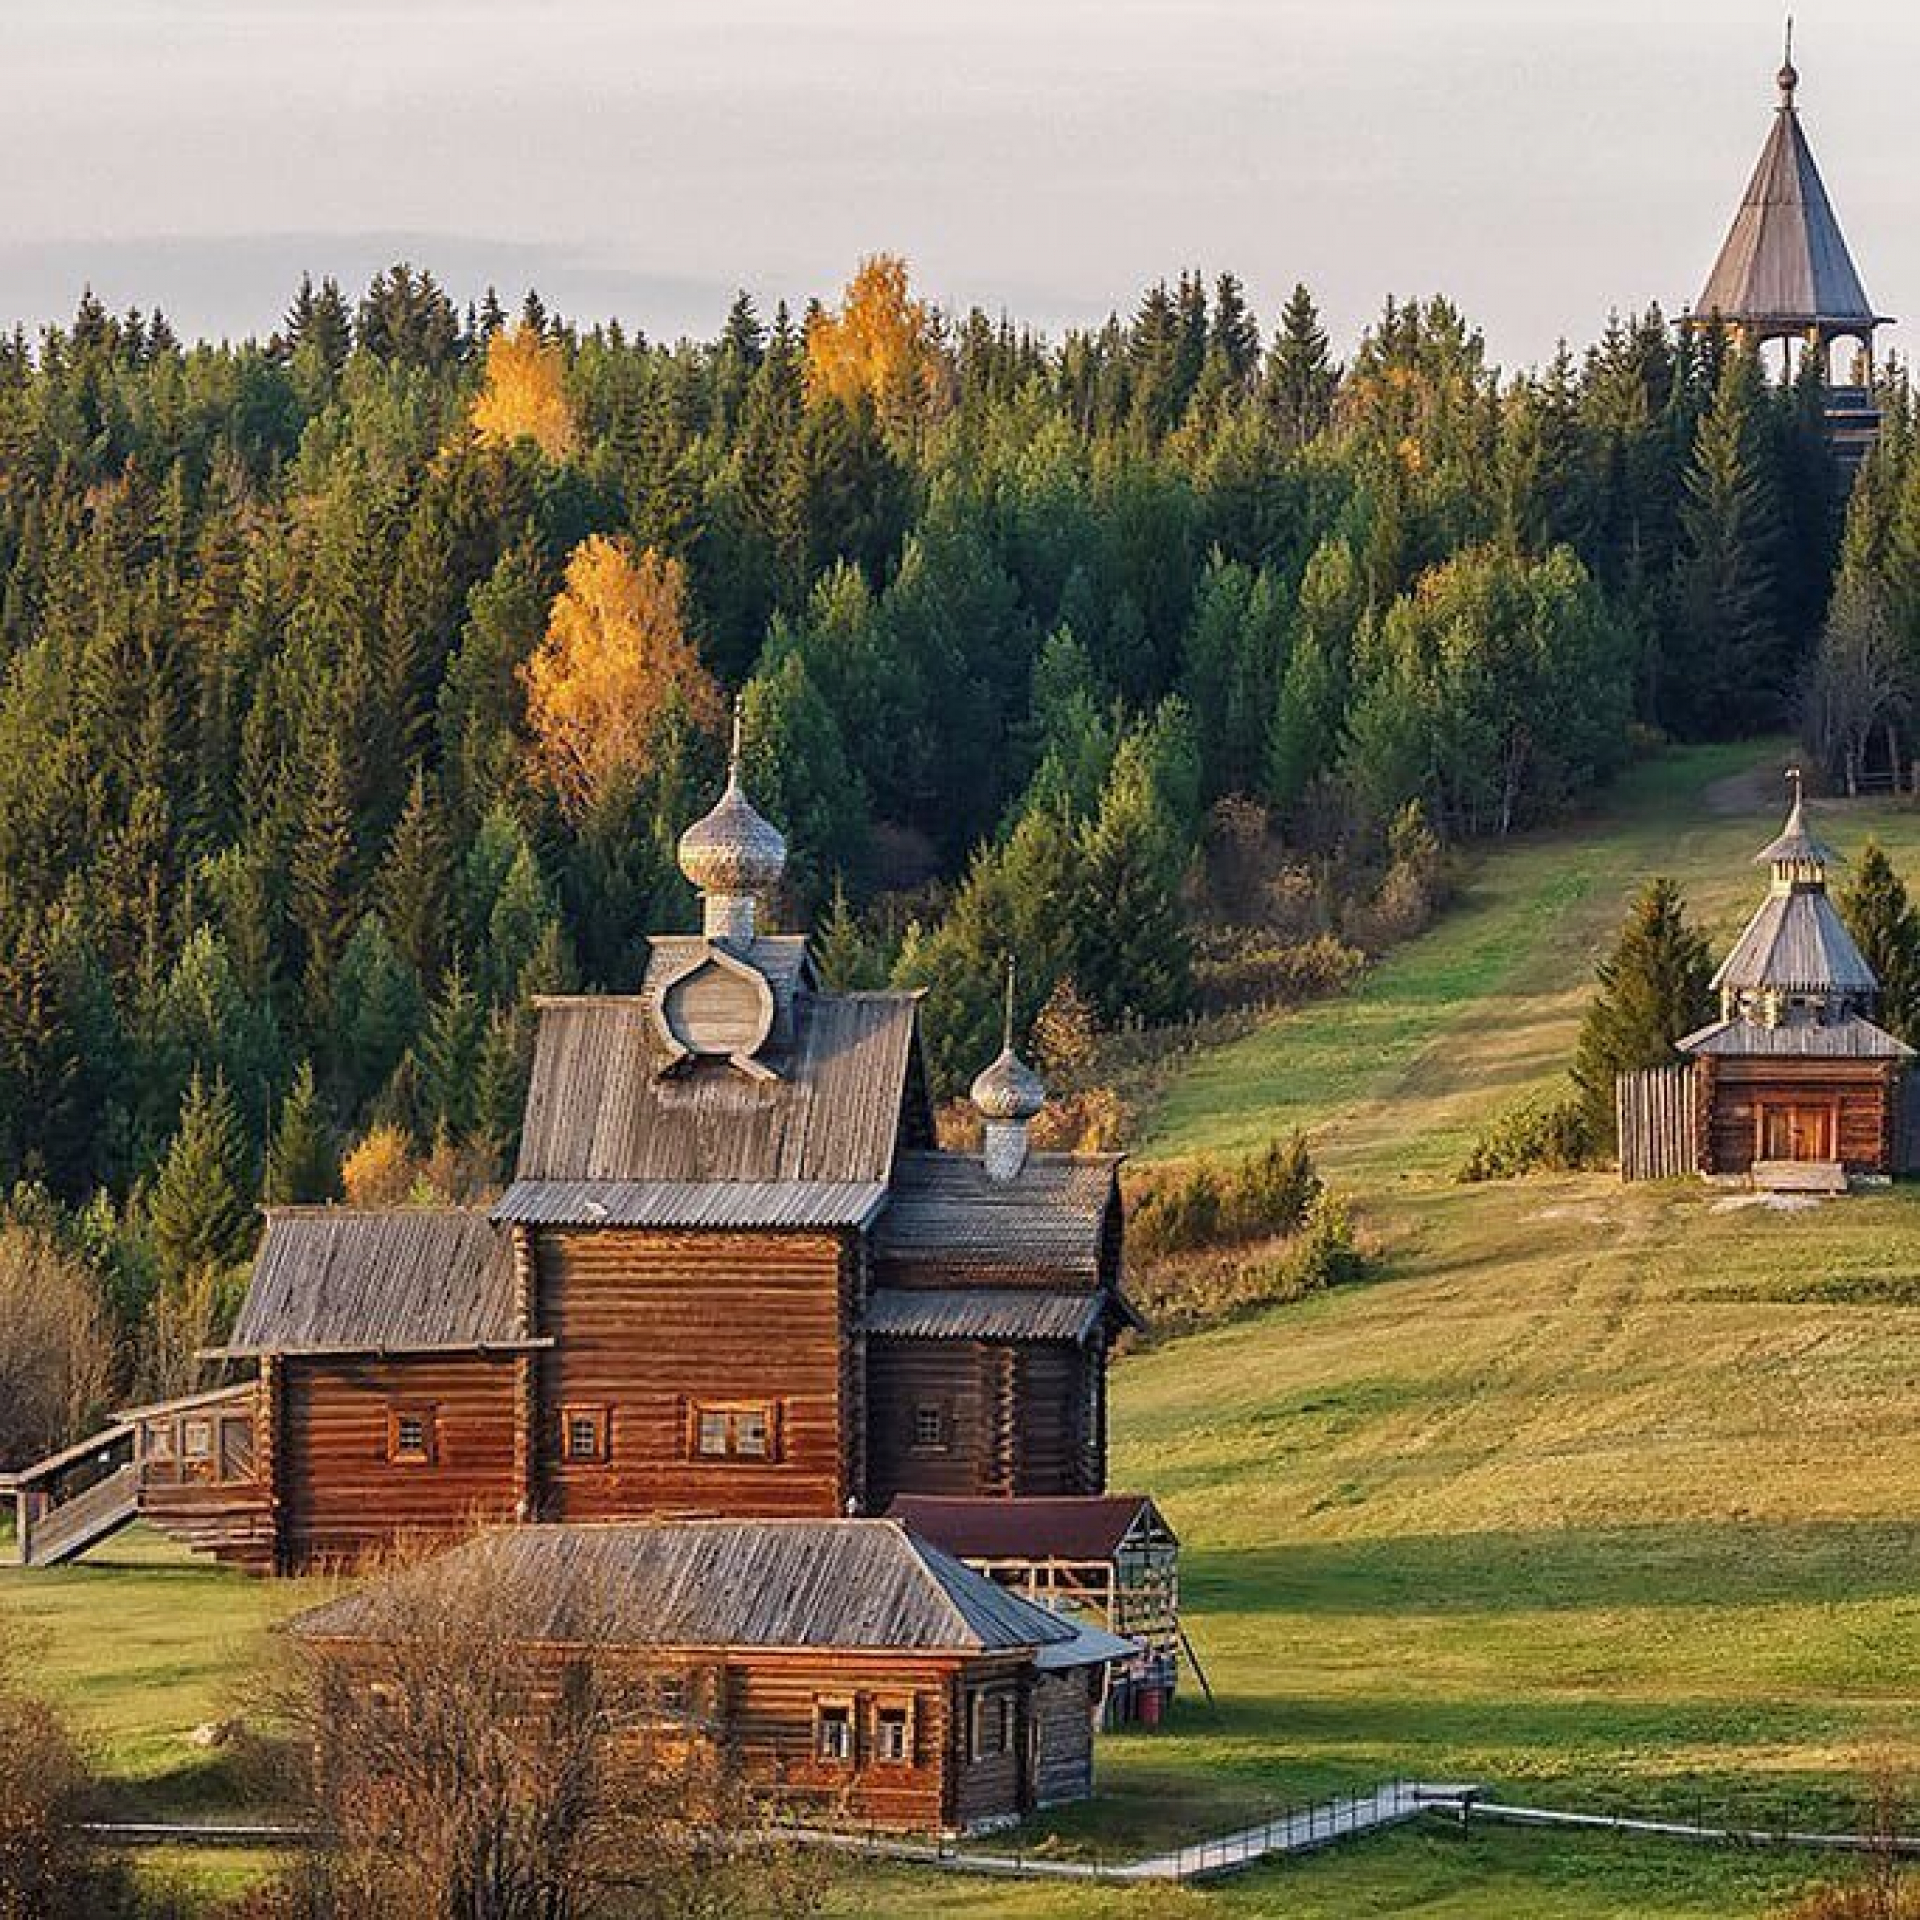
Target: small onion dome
(1009,1089)
(734,849)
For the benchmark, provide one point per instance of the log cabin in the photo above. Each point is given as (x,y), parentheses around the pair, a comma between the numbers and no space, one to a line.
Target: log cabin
(854,1672)
(1793,1086)
(731,1276)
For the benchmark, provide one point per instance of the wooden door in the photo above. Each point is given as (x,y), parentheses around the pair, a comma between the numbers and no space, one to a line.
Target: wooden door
(1796,1133)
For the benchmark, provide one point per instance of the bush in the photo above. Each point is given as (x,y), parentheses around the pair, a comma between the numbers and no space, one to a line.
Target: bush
(1204,1203)
(1237,969)
(1537,1136)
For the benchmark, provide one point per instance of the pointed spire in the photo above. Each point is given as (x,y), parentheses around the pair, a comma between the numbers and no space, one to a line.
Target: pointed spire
(1798,856)
(1789,73)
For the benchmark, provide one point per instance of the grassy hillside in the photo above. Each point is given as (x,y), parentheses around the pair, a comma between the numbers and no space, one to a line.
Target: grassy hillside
(1596,1494)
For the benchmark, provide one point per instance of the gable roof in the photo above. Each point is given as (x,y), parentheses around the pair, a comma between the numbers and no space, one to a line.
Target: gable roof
(1797,943)
(599,1110)
(1784,260)
(1067,1527)
(854,1584)
(1051,1218)
(406,1279)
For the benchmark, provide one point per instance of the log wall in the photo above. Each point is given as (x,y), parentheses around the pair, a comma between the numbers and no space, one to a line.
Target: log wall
(342,1497)
(649,1325)
(1863,1095)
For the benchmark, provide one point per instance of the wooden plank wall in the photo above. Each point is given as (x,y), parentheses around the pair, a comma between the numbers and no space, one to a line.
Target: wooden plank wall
(1655,1110)
(646,1324)
(341,1495)
(1062,1707)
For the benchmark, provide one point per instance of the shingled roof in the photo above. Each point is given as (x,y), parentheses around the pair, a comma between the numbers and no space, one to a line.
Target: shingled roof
(849,1584)
(649,1146)
(1796,943)
(986,1313)
(1853,1037)
(1050,1218)
(1785,264)
(404,1280)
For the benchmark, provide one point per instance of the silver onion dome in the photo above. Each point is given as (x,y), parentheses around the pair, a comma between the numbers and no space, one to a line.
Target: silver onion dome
(1009,1089)
(734,850)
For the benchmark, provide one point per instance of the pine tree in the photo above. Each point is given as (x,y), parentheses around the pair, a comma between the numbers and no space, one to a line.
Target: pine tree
(201,1214)
(448,1055)
(1886,925)
(842,956)
(320,876)
(414,883)
(303,1165)
(1655,988)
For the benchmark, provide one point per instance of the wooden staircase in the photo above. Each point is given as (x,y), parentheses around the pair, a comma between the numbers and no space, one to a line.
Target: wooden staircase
(66,1531)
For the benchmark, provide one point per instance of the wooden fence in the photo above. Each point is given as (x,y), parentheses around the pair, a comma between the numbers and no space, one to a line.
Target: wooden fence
(1655,1110)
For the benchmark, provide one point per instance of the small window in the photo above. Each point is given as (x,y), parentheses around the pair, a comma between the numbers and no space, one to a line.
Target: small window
(410,1436)
(892,1736)
(992,1725)
(833,1732)
(197,1439)
(748,1432)
(160,1440)
(670,1692)
(583,1433)
(929,1430)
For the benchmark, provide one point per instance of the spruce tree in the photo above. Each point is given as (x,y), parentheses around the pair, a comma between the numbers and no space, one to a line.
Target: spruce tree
(414,882)
(201,1213)
(448,1057)
(303,1165)
(1301,378)
(1884,922)
(1654,988)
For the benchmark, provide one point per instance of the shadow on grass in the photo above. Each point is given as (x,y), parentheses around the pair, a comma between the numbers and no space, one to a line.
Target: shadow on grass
(1686,1565)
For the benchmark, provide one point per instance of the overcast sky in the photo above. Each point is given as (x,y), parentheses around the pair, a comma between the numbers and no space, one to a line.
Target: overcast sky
(1541,161)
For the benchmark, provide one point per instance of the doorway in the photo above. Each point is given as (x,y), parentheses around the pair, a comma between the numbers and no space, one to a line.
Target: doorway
(1796,1132)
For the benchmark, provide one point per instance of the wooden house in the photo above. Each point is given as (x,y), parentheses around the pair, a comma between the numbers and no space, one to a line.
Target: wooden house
(1794,1085)
(732,1275)
(854,1671)
(1108,1558)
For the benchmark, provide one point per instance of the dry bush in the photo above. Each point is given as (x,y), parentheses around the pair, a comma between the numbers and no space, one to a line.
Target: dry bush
(1094,1120)
(57,1355)
(1238,967)
(1194,1205)
(1882,1889)
(463,1773)
(46,1869)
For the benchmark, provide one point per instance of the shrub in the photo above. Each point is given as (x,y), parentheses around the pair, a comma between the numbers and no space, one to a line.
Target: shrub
(1550,1136)
(1202,1204)
(1237,969)
(56,1346)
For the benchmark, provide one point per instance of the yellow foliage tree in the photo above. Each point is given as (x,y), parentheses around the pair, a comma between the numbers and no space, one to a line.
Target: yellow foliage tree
(879,346)
(381,1170)
(525,396)
(615,657)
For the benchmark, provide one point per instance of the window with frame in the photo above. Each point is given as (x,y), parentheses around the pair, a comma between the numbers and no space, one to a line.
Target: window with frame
(833,1732)
(584,1434)
(893,1735)
(410,1436)
(159,1440)
(670,1692)
(736,1430)
(196,1439)
(929,1429)
(992,1724)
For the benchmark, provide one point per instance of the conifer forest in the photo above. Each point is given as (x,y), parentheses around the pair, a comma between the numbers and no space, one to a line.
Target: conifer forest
(356,683)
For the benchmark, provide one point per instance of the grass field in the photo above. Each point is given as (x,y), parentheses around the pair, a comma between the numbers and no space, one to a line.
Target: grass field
(1596,1493)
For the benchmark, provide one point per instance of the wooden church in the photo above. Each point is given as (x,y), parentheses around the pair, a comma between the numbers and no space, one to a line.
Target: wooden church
(1794,1086)
(732,1276)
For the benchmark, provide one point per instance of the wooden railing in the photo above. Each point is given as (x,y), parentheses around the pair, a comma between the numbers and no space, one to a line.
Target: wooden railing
(51,1533)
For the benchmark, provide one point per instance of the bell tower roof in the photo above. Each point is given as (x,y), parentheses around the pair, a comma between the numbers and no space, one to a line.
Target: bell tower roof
(1784,268)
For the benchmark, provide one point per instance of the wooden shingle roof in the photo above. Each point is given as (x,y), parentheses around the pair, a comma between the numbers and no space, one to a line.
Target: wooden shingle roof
(1796,943)
(984,1313)
(1785,263)
(852,1584)
(1852,1038)
(598,1109)
(1051,1218)
(408,1279)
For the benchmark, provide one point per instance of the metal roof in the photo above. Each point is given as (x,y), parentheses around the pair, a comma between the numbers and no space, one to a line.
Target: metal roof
(794,1204)
(1051,1218)
(852,1584)
(1850,1038)
(1785,262)
(341,1279)
(1797,943)
(598,1109)
(1065,1527)
(984,1313)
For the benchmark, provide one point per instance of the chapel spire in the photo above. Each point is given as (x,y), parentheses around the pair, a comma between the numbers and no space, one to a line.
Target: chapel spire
(732,854)
(1008,1094)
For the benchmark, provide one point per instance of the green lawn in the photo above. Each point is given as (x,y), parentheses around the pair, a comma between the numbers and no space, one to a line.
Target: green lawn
(1595,1494)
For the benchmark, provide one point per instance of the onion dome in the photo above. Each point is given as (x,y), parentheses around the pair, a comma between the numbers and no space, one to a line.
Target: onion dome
(734,852)
(1009,1089)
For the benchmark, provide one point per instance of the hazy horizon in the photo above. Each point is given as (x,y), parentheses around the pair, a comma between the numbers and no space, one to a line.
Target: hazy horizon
(1539,165)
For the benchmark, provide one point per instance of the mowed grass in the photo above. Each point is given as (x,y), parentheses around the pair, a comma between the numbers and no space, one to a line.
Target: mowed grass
(1597,1495)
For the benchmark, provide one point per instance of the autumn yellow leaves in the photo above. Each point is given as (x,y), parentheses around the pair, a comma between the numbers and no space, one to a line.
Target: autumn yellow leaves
(617,657)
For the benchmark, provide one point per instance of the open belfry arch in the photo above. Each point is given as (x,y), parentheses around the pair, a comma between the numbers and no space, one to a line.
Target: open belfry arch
(1784,273)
